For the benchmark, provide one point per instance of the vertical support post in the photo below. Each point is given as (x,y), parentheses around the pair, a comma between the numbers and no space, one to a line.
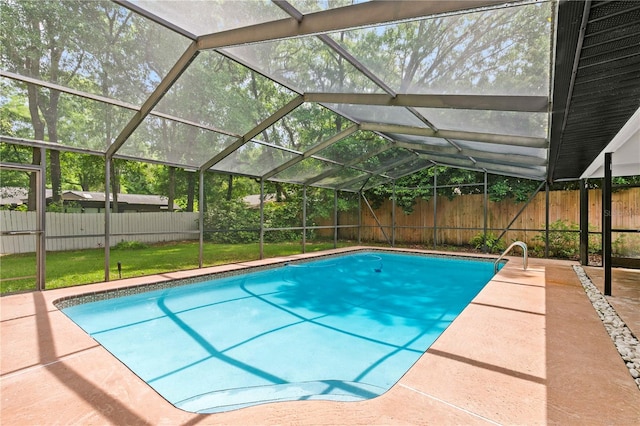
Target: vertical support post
(435,208)
(393,215)
(584,222)
(201,218)
(41,207)
(261,218)
(335,218)
(606,223)
(107,216)
(304,219)
(359,217)
(546,219)
(486,214)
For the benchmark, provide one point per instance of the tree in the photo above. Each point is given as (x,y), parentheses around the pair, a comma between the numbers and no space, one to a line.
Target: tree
(34,40)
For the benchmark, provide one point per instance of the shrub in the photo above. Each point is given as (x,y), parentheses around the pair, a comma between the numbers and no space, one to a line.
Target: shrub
(564,239)
(493,244)
(282,215)
(130,245)
(233,216)
(626,245)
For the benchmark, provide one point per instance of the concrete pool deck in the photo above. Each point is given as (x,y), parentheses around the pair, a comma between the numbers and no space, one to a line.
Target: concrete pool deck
(529,349)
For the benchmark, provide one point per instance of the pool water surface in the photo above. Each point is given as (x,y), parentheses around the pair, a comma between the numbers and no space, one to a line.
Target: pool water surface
(342,328)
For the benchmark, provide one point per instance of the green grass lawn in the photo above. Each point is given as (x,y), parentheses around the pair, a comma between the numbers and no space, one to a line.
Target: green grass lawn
(69,268)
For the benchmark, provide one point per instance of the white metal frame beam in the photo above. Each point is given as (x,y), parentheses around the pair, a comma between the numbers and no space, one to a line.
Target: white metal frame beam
(109,101)
(514,159)
(471,102)
(339,19)
(167,82)
(265,124)
(526,141)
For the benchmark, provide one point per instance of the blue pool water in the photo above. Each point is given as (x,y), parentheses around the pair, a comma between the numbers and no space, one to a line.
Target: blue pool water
(343,328)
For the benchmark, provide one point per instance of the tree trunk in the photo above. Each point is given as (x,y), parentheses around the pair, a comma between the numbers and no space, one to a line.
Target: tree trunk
(191,189)
(171,193)
(56,176)
(50,114)
(230,188)
(115,187)
(38,129)
(279,192)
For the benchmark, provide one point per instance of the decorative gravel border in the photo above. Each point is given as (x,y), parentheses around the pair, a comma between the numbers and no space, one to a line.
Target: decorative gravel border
(627,344)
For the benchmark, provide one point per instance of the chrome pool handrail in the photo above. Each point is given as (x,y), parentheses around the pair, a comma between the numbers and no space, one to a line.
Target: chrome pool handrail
(524,252)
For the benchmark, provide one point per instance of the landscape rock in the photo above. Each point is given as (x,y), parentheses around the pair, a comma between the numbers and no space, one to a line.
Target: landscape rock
(625,342)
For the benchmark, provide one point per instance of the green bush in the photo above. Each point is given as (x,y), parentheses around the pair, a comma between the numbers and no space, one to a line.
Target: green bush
(626,245)
(130,245)
(564,239)
(493,244)
(230,220)
(282,215)
(233,222)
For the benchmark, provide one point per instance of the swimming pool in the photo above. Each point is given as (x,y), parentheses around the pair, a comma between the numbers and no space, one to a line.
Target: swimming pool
(342,328)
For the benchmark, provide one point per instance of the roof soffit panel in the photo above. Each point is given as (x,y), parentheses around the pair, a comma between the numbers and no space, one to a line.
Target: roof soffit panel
(597,84)
(625,146)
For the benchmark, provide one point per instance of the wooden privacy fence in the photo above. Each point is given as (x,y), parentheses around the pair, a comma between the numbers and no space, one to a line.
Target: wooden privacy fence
(458,221)
(75,231)
(462,218)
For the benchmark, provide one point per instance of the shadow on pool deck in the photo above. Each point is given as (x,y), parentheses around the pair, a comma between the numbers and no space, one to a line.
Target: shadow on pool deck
(530,349)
